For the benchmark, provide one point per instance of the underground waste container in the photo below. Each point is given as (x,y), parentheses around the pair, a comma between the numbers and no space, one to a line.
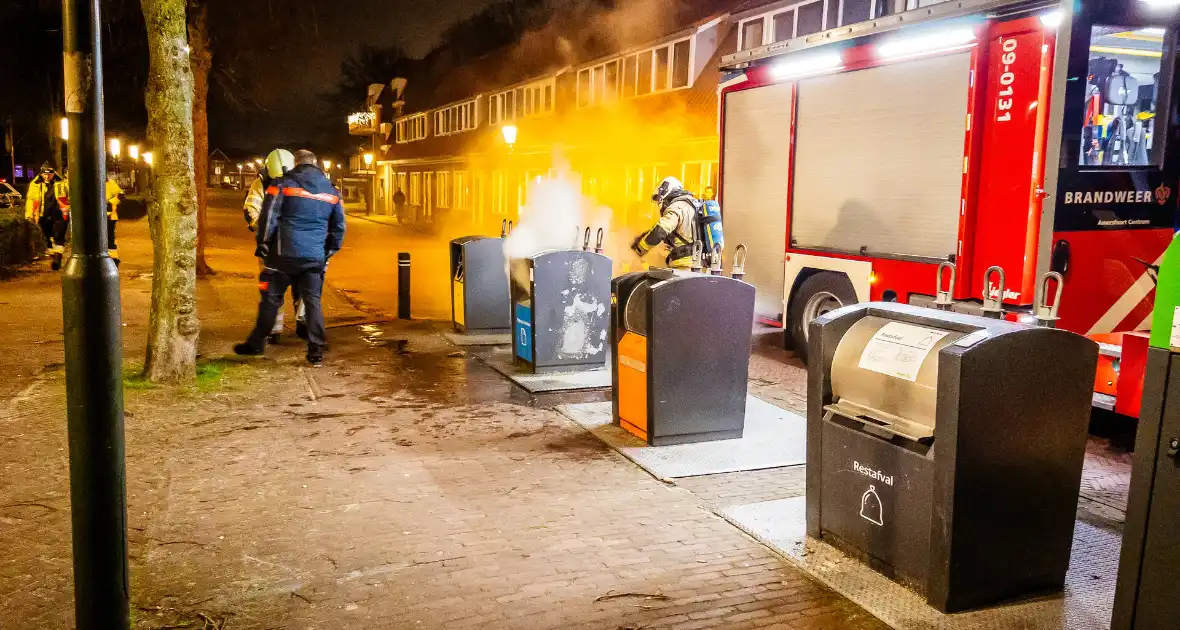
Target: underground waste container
(479,286)
(559,302)
(681,348)
(945,450)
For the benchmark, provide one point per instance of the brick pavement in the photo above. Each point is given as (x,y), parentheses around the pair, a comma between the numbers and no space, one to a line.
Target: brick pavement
(404,485)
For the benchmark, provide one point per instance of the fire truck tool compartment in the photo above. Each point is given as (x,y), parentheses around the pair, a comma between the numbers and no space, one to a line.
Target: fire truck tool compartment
(559,304)
(945,450)
(758,146)
(879,159)
(681,348)
(479,286)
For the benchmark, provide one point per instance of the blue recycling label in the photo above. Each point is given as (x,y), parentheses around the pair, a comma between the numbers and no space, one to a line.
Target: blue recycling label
(523,332)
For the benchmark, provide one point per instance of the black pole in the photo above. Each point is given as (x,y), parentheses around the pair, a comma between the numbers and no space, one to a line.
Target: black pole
(403,285)
(93,343)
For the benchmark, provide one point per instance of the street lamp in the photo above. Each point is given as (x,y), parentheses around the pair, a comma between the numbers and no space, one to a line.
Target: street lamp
(327,165)
(115,147)
(65,128)
(509,132)
(148,158)
(133,152)
(368,159)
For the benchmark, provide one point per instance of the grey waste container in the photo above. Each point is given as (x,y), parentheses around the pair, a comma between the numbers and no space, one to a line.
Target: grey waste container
(479,286)
(559,302)
(681,348)
(945,450)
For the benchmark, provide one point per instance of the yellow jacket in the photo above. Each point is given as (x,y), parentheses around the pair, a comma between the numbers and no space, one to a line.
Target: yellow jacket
(113,192)
(34,200)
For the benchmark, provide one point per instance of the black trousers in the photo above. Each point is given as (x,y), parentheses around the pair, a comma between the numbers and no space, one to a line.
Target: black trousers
(111,234)
(53,228)
(307,278)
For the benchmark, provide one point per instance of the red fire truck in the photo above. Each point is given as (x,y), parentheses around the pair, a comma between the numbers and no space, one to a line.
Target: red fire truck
(1025,135)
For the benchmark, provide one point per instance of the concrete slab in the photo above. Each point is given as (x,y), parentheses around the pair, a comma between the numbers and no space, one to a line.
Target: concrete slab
(1084,605)
(772,438)
(479,339)
(546,383)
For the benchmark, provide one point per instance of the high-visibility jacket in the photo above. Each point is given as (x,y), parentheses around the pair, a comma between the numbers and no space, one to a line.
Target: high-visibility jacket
(252,207)
(44,194)
(114,190)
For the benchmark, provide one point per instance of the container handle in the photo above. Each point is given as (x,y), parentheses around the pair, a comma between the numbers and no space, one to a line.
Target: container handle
(944,299)
(993,307)
(715,263)
(503,228)
(586,240)
(1046,312)
(598,242)
(739,262)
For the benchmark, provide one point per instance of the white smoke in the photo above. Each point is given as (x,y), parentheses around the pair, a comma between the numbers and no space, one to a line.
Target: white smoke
(555,217)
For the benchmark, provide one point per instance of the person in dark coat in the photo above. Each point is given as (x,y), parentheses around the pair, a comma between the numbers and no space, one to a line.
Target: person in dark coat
(300,227)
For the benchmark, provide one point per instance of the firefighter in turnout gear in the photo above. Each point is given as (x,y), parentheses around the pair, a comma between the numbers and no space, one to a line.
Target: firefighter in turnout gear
(115,196)
(676,227)
(278,162)
(48,205)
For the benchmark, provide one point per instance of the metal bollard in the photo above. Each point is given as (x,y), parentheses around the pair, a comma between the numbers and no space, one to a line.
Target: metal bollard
(403,285)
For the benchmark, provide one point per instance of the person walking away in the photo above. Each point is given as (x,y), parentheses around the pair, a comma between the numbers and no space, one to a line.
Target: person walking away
(115,196)
(300,228)
(48,205)
(676,226)
(399,204)
(278,162)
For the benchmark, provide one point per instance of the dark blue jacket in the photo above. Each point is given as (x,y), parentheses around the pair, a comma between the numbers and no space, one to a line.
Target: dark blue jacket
(302,217)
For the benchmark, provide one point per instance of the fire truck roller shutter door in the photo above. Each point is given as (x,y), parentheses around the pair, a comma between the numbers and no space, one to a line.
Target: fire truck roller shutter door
(879,158)
(757,156)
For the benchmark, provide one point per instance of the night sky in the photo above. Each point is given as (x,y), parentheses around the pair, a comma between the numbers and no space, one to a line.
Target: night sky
(276,58)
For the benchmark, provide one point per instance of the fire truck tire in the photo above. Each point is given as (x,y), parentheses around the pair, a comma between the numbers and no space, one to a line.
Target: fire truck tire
(819,293)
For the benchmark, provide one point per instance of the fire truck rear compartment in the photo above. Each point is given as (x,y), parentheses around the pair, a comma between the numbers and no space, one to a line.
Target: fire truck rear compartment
(879,159)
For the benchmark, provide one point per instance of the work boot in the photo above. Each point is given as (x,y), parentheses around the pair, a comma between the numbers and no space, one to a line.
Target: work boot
(247,350)
(55,264)
(301,330)
(315,355)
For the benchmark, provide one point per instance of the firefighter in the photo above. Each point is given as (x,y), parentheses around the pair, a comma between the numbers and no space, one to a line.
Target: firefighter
(48,205)
(278,162)
(676,226)
(300,228)
(115,196)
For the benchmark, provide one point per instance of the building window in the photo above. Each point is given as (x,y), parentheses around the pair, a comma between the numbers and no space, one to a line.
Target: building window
(415,189)
(454,119)
(681,59)
(661,74)
(752,34)
(411,128)
(665,67)
(854,11)
(461,199)
(644,85)
(784,25)
(442,189)
(530,100)
(810,20)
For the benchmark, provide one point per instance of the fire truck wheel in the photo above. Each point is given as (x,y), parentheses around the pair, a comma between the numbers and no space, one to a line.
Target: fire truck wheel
(818,294)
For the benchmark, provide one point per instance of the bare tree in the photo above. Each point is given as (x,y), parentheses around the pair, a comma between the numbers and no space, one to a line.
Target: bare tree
(201,61)
(173,326)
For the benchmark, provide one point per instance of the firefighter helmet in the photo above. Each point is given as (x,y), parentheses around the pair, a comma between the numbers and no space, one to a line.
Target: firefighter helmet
(669,187)
(279,162)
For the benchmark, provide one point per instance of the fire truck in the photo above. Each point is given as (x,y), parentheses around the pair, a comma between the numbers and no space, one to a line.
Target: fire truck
(1007,138)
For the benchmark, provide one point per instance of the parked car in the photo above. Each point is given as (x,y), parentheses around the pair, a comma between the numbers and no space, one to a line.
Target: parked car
(10,197)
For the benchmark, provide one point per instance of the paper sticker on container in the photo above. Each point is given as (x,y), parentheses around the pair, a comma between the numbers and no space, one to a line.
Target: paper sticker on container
(1175,338)
(899,349)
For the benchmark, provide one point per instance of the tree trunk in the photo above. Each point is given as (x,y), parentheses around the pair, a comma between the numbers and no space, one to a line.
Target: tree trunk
(201,60)
(173,326)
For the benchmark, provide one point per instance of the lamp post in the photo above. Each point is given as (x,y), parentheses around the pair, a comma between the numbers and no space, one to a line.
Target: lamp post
(371,201)
(133,153)
(115,149)
(241,180)
(92,321)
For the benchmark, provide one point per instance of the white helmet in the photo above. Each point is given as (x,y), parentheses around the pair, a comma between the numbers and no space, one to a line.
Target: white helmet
(279,162)
(667,188)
